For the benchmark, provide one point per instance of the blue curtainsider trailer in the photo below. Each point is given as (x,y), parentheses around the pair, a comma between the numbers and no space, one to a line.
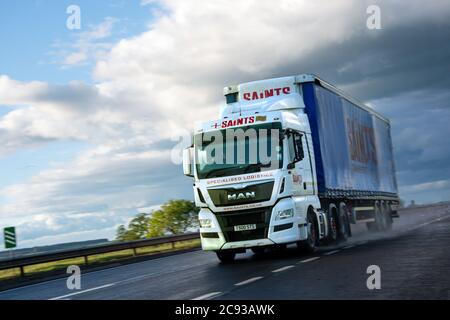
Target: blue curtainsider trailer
(352,145)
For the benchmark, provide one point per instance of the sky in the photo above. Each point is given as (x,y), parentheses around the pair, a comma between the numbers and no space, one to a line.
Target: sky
(89,116)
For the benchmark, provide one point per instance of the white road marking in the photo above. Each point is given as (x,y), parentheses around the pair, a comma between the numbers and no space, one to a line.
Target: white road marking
(282,269)
(208,295)
(329,253)
(348,247)
(83,291)
(425,223)
(248,281)
(106,270)
(309,260)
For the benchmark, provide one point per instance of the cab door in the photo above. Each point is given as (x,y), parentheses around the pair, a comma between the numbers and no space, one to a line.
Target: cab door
(305,165)
(300,167)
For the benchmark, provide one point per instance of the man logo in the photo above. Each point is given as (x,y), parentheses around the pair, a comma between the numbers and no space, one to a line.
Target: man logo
(241,195)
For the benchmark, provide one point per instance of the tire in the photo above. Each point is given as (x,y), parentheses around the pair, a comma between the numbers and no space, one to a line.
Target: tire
(310,244)
(343,224)
(333,225)
(379,223)
(226,256)
(388,217)
(382,223)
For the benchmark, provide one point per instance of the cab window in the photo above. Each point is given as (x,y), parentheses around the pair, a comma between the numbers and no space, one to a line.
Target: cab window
(295,146)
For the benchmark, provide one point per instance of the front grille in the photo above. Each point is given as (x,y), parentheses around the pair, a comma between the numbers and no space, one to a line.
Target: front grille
(228,220)
(252,193)
(244,218)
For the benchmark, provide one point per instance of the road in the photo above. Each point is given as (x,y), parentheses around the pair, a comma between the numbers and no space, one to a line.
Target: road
(414,259)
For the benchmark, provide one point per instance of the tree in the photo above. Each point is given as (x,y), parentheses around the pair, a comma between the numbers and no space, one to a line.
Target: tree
(174,217)
(138,226)
(121,233)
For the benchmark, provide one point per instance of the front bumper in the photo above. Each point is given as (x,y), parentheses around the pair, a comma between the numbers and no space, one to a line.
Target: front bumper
(221,234)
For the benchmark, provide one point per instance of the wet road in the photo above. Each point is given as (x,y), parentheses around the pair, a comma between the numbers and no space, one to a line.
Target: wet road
(414,262)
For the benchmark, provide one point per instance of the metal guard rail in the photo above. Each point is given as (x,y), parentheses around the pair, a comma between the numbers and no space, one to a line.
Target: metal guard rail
(21,262)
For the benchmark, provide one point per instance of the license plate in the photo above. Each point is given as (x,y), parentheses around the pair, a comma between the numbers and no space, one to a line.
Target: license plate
(244,227)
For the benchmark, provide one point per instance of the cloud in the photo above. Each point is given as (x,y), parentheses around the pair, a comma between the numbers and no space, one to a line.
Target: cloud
(434,185)
(98,180)
(148,2)
(42,111)
(99,190)
(38,234)
(86,45)
(218,44)
(19,93)
(419,122)
(75,58)
(76,111)
(159,83)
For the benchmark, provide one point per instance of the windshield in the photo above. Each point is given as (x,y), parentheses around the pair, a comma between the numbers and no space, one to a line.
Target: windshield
(239,150)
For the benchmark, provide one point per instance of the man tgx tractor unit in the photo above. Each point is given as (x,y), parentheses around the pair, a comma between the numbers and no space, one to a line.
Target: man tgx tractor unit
(334,168)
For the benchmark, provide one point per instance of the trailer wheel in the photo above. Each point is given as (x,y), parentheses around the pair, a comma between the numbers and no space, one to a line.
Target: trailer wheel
(382,226)
(226,256)
(379,223)
(310,244)
(343,223)
(387,216)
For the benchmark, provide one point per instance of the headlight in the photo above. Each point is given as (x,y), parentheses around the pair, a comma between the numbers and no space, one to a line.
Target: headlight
(284,214)
(205,223)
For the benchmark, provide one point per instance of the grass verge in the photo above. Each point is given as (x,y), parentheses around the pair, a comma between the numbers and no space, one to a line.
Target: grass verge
(98,258)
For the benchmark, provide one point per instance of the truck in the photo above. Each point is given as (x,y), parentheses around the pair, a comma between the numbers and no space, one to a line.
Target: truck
(330,166)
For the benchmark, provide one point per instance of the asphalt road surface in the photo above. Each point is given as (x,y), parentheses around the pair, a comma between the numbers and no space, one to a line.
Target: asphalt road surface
(414,260)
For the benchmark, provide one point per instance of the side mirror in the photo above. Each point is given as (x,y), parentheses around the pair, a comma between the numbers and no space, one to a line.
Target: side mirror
(187,162)
(291,166)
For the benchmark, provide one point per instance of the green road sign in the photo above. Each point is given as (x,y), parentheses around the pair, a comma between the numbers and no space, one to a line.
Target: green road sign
(10,237)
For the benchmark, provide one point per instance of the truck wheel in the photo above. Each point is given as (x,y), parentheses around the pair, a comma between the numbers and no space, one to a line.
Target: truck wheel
(382,223)
(310,244)
(343,224)
(377,225)
(226,256)
(387,217)
(333,225)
